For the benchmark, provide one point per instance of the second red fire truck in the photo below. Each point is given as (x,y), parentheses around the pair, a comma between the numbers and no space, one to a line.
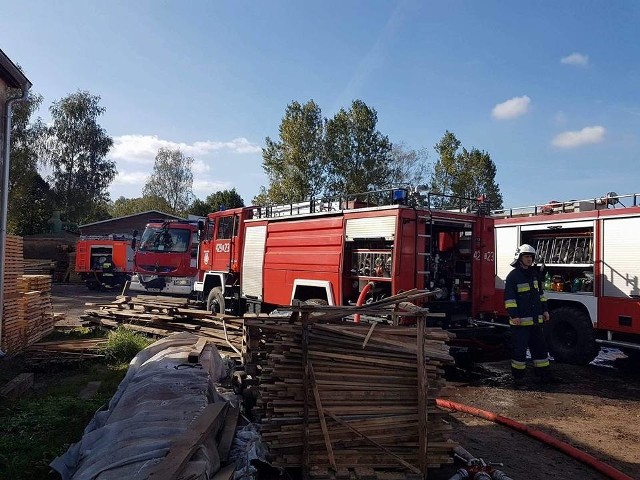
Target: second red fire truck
(590,263)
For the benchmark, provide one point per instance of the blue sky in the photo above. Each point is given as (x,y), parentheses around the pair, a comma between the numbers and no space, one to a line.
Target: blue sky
(550,89)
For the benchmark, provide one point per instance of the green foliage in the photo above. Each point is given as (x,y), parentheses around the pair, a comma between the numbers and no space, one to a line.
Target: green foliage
(30,199)
(123,344)
(199,208)
(464,173)
(26,136)
(36,429)
(358,156)
(171,180)
(130,206)
(76,150)
(30,202)
(315,157)
(295,164)
(222,199)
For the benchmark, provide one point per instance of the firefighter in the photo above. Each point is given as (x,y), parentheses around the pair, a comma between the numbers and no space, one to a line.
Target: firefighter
(527,307)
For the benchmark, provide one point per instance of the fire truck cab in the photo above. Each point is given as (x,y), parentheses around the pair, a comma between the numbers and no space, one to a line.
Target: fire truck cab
(165,259)
(254,259)
(591,269)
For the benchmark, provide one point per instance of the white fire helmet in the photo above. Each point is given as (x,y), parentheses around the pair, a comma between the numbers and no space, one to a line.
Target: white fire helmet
(521,250)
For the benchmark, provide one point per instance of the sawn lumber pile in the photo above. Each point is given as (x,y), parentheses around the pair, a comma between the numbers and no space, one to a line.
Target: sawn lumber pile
(161,316)
(27,311)
(346,395)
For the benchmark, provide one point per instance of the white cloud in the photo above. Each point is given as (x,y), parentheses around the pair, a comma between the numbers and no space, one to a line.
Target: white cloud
(202,188)
(199,167)
(130,178)
(512,108)
(578,138)
(144,148)
(576,59)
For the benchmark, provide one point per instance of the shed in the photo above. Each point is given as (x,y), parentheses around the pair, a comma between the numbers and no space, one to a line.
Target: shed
(124,225)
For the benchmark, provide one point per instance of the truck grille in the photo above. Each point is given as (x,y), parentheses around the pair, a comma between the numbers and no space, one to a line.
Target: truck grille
(157,269)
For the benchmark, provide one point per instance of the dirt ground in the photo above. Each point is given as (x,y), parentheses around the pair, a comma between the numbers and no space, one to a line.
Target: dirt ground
(595,408)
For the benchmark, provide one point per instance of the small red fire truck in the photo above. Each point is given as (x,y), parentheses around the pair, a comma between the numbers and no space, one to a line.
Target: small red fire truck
(105,260)
(166,258)
(589,255)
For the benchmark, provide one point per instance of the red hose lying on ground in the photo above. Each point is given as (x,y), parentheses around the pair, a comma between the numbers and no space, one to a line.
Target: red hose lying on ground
(585,458)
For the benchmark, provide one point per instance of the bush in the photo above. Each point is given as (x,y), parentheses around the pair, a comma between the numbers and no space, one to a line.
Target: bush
(123,344)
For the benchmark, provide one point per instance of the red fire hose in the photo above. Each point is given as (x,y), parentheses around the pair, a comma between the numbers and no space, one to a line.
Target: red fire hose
(573,452)
(361,297)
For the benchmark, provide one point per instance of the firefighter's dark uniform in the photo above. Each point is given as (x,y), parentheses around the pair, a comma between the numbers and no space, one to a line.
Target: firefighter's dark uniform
(524,299)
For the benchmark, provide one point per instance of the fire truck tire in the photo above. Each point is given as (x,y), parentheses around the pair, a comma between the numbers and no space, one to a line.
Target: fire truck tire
(570,336)
(215,300)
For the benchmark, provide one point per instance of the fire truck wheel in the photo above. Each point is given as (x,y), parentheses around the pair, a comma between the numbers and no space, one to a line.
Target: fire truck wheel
(215,301)
(570,336)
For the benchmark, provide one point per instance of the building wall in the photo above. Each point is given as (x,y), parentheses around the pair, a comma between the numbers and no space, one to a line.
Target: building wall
(123,225)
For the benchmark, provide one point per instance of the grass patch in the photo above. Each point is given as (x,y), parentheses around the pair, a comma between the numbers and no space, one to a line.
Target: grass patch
(36,429)
(123,344)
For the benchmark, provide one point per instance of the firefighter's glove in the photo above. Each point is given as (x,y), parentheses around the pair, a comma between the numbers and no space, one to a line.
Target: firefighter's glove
(515,321)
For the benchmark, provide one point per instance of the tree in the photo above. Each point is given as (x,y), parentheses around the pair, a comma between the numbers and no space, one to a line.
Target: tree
(30,205)
(130,206)
(199,208)
(76,150)
(172,180)
(295,164)
(464,173)
(408,167)
(358,156)
(223,199)
(30,201)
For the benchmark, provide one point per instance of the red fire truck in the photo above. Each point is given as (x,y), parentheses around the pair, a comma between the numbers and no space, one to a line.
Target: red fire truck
(105,260)
(254,259)
(166,258)
(591,266)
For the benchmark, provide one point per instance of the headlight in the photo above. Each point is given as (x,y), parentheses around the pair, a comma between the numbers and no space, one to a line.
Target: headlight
(183,282)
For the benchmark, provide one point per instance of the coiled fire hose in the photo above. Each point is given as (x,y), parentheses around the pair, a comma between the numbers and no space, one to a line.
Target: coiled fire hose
(573,452)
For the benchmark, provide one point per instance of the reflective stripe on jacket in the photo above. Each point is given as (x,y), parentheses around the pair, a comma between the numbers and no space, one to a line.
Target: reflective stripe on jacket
(524,296)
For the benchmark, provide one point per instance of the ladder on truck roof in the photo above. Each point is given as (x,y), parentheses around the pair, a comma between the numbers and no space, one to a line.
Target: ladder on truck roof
(417,197)
(610,199)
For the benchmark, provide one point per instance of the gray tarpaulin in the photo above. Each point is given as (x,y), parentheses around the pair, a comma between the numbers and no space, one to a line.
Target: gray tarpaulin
(159,397)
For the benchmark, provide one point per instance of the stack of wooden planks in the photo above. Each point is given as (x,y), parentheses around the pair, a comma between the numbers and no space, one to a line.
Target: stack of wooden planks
(27,311)
(65,351)
(161,316)
(345,395)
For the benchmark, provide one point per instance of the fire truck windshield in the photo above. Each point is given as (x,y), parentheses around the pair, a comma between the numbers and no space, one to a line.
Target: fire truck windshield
(165,240)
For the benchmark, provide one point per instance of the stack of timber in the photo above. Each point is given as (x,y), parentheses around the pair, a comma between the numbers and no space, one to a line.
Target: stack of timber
(65,351)
(161,316)
(27,311)
(342,396)
(39,266)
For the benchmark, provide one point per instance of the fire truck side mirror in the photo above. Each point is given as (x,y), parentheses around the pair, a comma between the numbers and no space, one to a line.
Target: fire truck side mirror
(200,227)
